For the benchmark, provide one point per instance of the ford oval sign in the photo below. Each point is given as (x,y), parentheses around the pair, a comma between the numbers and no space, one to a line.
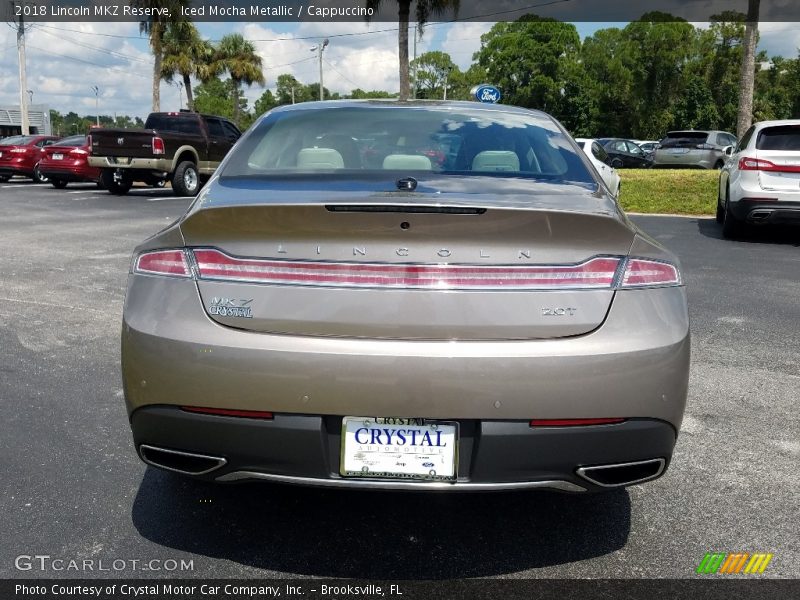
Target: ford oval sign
(486,93)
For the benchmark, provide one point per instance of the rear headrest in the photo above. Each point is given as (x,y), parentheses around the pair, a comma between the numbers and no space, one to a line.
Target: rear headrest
(319,158)
(407,162)
(496,160)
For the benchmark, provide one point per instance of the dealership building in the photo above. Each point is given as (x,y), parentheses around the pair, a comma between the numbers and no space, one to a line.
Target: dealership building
(38,120)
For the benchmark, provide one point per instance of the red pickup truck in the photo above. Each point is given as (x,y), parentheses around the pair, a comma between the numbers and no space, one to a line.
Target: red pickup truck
(183,147)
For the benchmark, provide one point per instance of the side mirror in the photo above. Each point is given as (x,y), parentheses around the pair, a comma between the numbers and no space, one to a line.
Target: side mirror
(727,150)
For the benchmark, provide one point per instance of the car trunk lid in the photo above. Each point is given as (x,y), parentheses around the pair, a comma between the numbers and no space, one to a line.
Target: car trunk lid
(780,147)
(408,266)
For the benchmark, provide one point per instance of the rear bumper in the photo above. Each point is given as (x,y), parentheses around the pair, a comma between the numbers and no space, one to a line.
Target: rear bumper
(79,173)
(494,455)
(696,161)
(10,169)
(768,212)
(163,165)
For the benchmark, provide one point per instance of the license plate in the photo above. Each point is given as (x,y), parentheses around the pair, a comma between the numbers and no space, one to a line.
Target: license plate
(58,156)
(394,448)
(679,151)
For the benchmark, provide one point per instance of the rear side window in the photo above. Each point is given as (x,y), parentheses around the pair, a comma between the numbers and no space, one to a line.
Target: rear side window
(599,152)
(783,137)
(215,128)
(374,139)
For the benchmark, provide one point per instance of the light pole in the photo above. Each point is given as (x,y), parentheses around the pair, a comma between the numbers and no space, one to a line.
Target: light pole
(96,100)
(321,47)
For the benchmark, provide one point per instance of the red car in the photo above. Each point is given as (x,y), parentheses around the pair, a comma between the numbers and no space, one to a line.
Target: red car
(65,161)
(20,155)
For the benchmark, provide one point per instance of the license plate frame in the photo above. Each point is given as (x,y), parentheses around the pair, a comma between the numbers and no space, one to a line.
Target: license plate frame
(58,156)
(411,462)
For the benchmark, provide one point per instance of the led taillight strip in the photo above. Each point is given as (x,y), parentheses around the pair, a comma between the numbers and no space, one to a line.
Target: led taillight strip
(597,272)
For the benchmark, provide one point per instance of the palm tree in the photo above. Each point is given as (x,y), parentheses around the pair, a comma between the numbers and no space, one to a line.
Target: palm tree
(155,27)
(238,57)
(748,76)
(425,10)
(186,54)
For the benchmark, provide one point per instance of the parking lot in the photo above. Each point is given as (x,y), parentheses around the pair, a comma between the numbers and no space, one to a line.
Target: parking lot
(75,489)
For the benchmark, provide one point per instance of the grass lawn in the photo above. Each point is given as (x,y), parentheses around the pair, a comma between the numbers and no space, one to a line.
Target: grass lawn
(679,191)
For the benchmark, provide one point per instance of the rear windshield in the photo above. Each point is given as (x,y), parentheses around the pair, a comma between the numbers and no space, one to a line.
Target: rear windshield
(178,124)
(75,140)
(18,140)
(681,139)
(784,137)
(372,139)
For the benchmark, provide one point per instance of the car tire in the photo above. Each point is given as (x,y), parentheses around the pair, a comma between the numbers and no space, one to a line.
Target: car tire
(616,163)
(38,177)
(720,216)
(732,228)
(59,184)
(118,188)
(4,178)
(186,179)
(719,164)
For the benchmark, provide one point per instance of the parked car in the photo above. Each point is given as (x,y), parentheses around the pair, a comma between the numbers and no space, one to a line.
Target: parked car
(65,161)
(699,149)
(493,322)
(625,153)
(600,159)
(760,181)
(183,147)
(648,147)
(20,155)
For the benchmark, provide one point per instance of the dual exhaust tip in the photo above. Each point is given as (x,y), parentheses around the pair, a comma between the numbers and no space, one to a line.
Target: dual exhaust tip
(606,476)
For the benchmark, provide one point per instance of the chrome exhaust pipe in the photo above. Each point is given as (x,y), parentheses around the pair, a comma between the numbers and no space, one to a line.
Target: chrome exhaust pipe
(186,463)
(622,474)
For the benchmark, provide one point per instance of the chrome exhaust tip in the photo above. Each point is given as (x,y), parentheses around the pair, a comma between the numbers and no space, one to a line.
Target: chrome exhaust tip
(622,474)
(760,215)
(186,463)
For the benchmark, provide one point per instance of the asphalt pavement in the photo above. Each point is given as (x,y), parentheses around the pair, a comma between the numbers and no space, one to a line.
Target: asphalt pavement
(74,489)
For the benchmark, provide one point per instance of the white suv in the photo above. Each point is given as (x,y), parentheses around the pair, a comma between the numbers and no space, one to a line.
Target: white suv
(760,181)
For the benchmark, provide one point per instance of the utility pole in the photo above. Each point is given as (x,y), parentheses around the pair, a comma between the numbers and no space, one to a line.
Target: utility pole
(321,47)
(23,79)
(96,114)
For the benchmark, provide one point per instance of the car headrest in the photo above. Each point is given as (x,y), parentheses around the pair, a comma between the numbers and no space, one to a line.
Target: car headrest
(319,158)
(496,160)
(407,162)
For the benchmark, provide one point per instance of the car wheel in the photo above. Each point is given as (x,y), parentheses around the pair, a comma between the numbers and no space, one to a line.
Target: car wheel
(4,178)
(38,177)
(720,217)
(118,188)
(616,163)
(719,164)
(186,179)
(59,184)
(732,228)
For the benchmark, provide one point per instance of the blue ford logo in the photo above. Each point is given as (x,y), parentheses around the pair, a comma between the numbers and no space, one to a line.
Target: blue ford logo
(486,93)
(427,464)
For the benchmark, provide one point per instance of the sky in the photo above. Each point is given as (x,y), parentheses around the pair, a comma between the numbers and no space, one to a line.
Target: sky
(65,60)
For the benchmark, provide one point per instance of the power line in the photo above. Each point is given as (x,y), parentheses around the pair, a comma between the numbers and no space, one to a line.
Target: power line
(342,75)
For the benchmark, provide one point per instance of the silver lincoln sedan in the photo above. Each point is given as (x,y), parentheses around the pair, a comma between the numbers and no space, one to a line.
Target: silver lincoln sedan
(406,295)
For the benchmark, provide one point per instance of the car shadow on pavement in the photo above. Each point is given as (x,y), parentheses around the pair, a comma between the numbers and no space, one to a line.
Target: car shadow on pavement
(378,535)
(773,234)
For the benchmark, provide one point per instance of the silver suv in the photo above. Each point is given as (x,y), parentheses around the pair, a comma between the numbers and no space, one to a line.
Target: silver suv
(699,149)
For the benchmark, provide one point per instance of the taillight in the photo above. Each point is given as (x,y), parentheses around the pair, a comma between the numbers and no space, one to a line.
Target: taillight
(640,272)
(573,422)
(158,145)
(596,273)
(78,152)
(227,412)
(20,150)
(89,141)
(759,164)
(173,263)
